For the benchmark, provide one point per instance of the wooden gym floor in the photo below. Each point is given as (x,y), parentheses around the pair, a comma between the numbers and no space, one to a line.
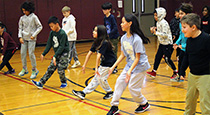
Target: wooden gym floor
(19,97)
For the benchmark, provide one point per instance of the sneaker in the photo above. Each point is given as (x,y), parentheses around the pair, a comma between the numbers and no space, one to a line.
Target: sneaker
(63,85)
(174,77)
(115,71)
(34,74)
(76,64)
(9,72)
(79,94)
(23,72)
(108,95)
(37,84)
(142,108)
(152,74)
(113,111)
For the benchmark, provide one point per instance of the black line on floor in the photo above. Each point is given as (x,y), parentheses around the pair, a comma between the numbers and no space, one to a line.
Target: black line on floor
(35,105)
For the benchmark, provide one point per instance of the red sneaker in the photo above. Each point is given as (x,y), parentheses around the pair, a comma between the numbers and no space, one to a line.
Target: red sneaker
(152,74)
(174,77)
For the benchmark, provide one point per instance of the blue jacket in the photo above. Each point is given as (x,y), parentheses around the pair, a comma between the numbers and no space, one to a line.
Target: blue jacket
(182,40)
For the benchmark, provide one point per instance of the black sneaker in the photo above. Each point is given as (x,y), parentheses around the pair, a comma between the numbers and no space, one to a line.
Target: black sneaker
(113,111)
(115,71)
(142,108)
(9,72)
(79,94)
(108,95)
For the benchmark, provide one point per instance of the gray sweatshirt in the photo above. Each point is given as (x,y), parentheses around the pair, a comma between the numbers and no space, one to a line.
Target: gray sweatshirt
(29,26)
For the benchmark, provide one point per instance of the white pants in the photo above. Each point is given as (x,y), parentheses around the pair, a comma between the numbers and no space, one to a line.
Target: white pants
(134,86)
(30,46)
(99,80)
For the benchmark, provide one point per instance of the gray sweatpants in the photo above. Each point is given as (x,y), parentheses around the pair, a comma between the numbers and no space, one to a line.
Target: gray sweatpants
(134,85)
(99,80)
(30,46)
(72,51)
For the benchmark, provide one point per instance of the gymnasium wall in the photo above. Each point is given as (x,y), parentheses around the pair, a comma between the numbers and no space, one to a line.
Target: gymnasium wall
(88,13)
(171,5)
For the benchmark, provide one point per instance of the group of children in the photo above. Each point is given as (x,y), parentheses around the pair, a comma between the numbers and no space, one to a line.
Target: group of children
(194,45)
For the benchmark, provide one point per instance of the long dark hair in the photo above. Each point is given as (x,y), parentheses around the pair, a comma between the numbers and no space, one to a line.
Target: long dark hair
(135,27)
(102,36)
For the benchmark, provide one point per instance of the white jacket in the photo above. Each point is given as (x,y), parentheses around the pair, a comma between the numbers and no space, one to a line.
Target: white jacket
(163,29)
(69,26)
(29,26)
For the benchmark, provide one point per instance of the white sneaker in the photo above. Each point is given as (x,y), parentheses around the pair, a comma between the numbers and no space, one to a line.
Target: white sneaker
(23,72)
(76,64)
(34,74)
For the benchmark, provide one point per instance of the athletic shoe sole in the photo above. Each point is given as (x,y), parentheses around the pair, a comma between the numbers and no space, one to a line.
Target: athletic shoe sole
(151,76)
(78,95)
(143,110)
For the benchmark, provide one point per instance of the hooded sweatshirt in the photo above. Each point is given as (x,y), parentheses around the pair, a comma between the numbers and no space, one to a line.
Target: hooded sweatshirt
(163,29)
(69,26)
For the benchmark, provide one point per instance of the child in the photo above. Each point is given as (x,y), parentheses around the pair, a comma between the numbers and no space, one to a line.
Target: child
(174,25)
(103,47)
(59,41)
(165,38)
(111,25)
(9,48)
(137,63)
(205,20)
(29,28)
(69,26)
(184,9)
(197,57)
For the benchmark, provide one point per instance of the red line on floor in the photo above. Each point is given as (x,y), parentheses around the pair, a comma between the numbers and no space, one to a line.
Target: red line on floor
(58,93)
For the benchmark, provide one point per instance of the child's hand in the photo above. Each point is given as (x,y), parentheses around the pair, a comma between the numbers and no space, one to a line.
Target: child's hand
(32,37)
(180,46)
(175,46)
(153,30)
(83,69)
(54,61)
(110,71)
(96,72)
(42,58)
(21,40)
(128,75)
(1,58)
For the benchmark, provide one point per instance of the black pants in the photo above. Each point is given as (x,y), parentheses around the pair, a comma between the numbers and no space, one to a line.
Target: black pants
(7,56)
(181,57)
(164,50)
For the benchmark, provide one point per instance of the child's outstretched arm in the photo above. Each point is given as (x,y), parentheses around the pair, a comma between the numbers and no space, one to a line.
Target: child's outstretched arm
(86,61)
(128,75)
(120,58)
